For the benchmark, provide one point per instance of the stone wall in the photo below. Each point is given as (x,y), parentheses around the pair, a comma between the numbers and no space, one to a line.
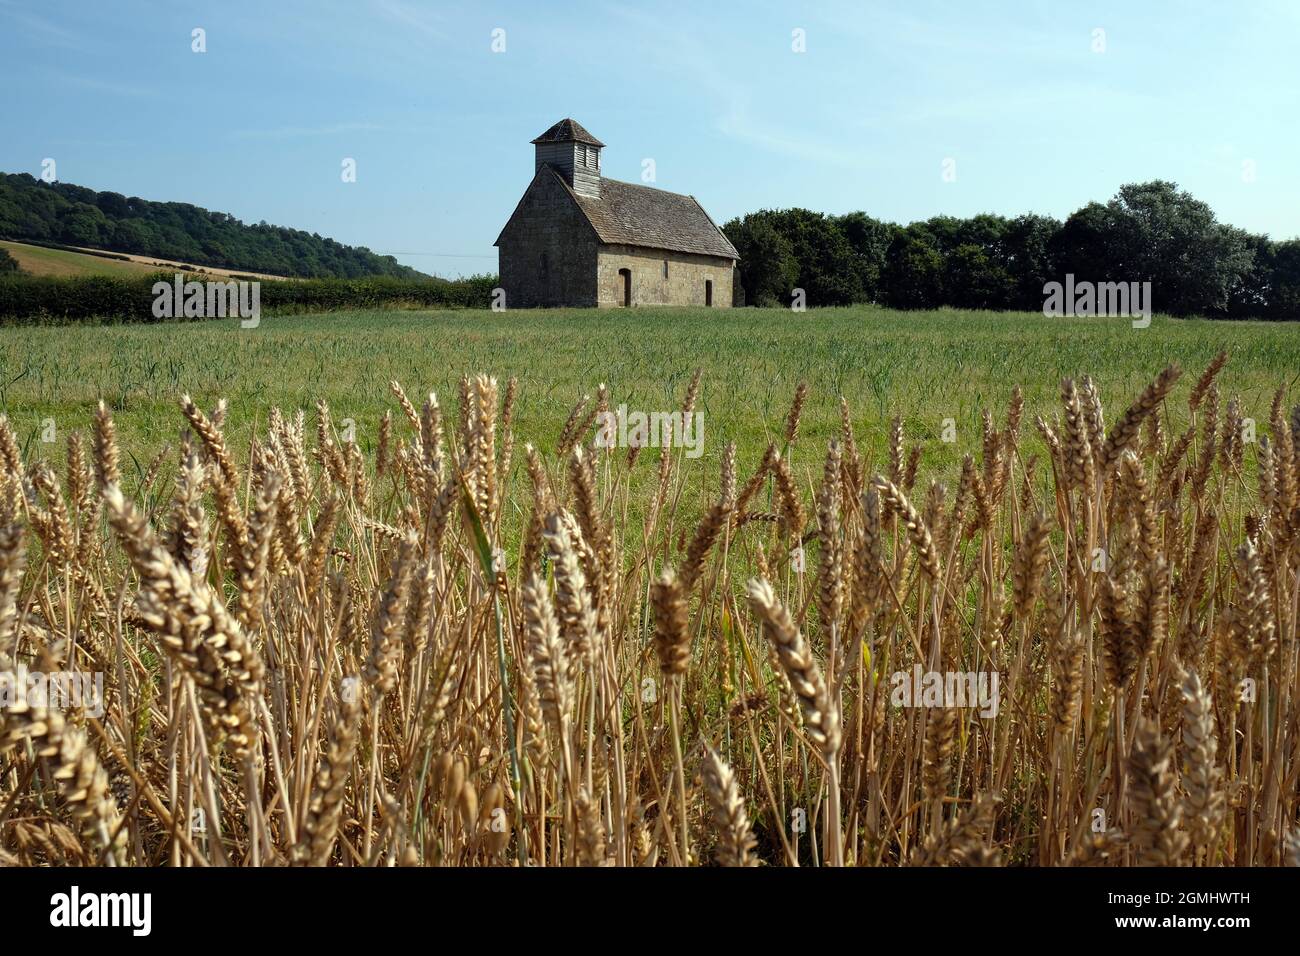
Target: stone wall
(547,250)
(684,284)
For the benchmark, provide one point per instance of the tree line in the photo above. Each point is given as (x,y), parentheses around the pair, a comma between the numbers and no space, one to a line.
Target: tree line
(32,209)
(1149,232)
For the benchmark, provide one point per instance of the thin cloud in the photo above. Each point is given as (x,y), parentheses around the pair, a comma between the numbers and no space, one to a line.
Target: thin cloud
(410,16)
(944,32)
(293,132)
(39,28)
(1071,99)
(737,124)
(678,50)
(103,86)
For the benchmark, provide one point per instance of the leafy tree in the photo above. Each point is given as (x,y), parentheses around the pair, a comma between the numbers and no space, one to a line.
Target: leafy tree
(113,205)
(1027,257)
(1252,293)
(913,273)
(768,269)
(869,239)
(1172,240)
(1085,245)
(944,233)
(130,234)
(985,230)
(1284,280)
(975,280)
(827,265)
(83,225)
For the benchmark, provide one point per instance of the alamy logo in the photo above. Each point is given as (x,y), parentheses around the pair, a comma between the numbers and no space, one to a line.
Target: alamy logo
(1127,299)
(621,429)
(922,688)
(208,300)
(73,909)
(57,690)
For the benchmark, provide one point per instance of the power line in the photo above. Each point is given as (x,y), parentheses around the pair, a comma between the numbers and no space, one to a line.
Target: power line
(441,255)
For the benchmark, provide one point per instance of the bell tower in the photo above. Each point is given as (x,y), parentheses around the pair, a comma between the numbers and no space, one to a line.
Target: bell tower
(574,154)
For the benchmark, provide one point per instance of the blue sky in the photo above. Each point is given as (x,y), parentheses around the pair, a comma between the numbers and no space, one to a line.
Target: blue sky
(439,124)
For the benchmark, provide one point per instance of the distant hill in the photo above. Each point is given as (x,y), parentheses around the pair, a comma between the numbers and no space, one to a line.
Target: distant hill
(76,216)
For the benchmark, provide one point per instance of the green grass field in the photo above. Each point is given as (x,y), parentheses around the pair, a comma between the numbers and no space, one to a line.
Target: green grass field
(926,366)
(68,263)
(43,261)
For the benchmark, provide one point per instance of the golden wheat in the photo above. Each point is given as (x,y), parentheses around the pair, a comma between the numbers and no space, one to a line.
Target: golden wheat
(535,642)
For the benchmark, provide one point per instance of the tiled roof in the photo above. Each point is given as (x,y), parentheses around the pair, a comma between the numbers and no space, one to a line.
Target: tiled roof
(632,215)
(568,131)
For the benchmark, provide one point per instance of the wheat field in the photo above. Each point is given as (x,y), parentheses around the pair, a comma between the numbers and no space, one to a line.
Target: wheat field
(453,648)
(923,366)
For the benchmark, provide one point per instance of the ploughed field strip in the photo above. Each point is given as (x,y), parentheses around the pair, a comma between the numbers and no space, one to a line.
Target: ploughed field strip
(1077,647)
